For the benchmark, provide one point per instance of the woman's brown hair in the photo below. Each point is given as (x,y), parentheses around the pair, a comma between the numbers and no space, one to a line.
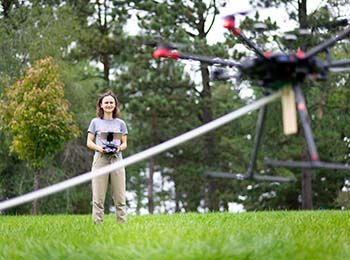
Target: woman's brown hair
(99,110)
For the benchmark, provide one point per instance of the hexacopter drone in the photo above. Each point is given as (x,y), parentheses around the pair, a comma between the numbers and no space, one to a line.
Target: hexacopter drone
(274,71)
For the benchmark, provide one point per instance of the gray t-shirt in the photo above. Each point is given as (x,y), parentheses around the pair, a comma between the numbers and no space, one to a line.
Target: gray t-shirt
(108,131)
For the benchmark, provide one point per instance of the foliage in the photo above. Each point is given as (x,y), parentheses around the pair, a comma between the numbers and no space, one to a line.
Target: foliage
(343,200)
(35,114)
(14,174)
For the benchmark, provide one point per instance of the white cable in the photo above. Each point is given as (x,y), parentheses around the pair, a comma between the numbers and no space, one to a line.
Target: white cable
(139,156)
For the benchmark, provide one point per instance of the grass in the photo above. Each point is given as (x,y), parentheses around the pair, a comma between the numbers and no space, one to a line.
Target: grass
(253,235)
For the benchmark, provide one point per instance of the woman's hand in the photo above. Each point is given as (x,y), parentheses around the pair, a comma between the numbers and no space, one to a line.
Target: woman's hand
(99,149)
(123,144)
(121,147)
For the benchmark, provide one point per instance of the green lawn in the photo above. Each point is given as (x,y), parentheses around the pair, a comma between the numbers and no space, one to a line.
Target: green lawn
(253,235)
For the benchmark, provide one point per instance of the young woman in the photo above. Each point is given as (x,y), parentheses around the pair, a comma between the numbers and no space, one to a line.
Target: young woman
(107,136)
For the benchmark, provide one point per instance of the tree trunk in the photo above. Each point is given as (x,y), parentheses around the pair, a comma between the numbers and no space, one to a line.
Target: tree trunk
(307,203)
(6,6)
(207,116)
(139,198)
(302,13)
(177,199)
(150,186)
(103,28)
(35,188)
(306,180)
(321,105)
(306,187)
(306,183)
(68,202)
(210,140)
(106,68)
(209,148)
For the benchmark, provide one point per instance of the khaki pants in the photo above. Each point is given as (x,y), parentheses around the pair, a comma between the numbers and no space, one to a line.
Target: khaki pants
(100,185)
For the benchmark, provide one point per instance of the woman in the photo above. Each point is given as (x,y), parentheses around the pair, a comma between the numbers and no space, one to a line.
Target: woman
(107,136)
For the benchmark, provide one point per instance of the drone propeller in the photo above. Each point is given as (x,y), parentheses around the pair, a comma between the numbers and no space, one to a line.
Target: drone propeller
(233,15)
(163,44)
(218,74)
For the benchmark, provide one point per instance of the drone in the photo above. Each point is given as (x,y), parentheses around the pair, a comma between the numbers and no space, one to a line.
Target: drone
(275,71)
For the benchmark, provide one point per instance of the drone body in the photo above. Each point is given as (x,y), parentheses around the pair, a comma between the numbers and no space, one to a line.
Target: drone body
(279,69)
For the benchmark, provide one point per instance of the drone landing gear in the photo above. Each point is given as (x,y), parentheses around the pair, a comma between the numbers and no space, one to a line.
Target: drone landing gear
(250,174)
(313,163)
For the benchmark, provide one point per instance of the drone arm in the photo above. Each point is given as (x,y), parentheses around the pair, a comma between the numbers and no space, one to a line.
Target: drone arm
(229,24)
(339,63)
(323,46)
(172,54)
(248,42)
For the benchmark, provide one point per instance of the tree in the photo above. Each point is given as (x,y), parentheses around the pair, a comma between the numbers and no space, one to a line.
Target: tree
(36,116)
(102,39)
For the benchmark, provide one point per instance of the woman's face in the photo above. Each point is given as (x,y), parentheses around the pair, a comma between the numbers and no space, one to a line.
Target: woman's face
(108,104)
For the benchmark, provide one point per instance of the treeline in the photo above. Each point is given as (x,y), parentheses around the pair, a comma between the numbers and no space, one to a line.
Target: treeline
(88,44)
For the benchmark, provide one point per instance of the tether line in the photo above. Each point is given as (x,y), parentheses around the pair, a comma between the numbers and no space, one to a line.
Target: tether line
(139,156)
